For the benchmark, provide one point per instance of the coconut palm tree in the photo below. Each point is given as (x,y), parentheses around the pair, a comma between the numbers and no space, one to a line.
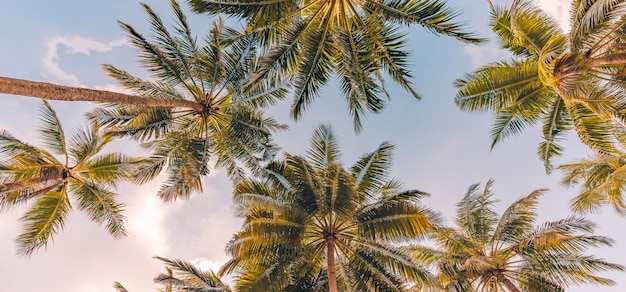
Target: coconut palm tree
(602,179)
(561,81)
(184,276)
(311,225)
(308,42)
(228,129)
(44,177)
(194,110)
(488,252)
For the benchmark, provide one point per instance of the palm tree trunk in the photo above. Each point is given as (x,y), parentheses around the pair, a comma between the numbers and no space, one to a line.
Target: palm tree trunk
(506,282)
(611,59)
(330,261)
(67,93)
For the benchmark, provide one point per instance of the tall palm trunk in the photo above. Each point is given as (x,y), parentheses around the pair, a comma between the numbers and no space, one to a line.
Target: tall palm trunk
(330,261)
(67,93)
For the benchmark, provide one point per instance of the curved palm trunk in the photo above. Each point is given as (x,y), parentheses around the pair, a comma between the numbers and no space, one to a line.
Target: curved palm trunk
(506,282)
(330,261)
(67,93)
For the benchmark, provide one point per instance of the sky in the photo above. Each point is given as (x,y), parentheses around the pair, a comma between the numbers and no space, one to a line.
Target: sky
(440,149)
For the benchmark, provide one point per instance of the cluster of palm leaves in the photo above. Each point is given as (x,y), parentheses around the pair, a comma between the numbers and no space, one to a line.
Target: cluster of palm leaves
(562,81)
(309,223)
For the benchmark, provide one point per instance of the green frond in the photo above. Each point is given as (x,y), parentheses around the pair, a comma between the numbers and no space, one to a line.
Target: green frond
(185,171)
(51,130)
(389,42)
(475,213)
(397,261)
(45,218)
(592,130)
(524,29)
(107,168)
(100,205)
(371,171)
(187,277)
(324,148)
(602,182)
(315,68)
(13,147)
(590,15)
(509,123)
(518,219)
(282,60)
(396,221)
(497,86)
(433,15)
(555,123)
(357,69)
(141,87)
(84,144)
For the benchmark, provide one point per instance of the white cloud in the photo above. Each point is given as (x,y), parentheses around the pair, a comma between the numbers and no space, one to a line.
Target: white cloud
(481,55)
(205,264)
(74,45)
(147,216)
(559,9)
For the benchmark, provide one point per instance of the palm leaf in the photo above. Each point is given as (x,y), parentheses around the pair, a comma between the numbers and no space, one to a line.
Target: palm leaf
(101,206)
(43,220)
(51,131)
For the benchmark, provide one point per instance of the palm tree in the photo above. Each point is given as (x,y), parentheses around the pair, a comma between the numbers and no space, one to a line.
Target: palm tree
(195,109)
(561,81)
(310,41)
(488,252)
(31,174)
(311,225)
(602,179)
(228,129)
(184,276)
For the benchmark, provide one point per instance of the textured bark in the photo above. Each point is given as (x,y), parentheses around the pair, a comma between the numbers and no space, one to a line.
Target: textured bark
(612,59)
(67,93)
(506,282)
(332,272)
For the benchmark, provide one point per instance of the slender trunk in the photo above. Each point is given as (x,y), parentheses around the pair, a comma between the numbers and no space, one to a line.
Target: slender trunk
(611,59)
(330,261)
(506,282)
(67,93)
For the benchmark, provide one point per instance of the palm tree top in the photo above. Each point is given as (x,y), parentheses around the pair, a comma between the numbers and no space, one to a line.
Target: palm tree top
(229,130)
(359,42)
(311,225)
(510,252)
(561,81)
(44,178)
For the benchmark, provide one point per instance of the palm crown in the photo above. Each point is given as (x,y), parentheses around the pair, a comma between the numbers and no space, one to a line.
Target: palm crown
(311,225)
(488,252)
(359,41)
(561,81)
(29,173)
(227,127)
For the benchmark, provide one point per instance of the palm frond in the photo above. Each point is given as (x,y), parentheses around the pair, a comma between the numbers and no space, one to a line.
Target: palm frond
(51,130)
(433,15)
(101,206)
(43,220)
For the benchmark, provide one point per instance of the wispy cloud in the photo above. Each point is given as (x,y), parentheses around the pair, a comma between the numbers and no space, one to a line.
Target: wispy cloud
(73,45)
(481,55)
(559,9)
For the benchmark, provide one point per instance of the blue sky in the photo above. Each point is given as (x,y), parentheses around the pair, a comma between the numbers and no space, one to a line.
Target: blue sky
(440,149)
